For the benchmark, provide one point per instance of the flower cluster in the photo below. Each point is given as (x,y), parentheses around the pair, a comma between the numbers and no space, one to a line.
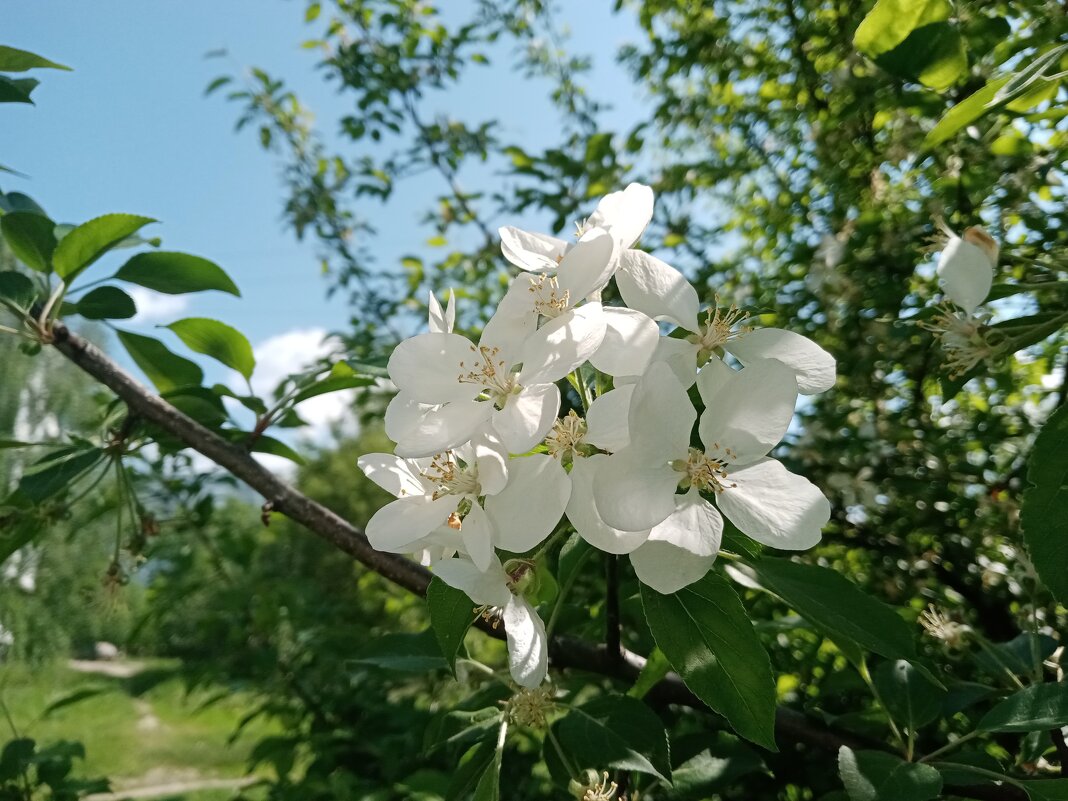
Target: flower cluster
(485,462)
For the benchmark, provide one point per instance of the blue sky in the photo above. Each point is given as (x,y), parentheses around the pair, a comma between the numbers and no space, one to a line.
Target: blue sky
(130,130)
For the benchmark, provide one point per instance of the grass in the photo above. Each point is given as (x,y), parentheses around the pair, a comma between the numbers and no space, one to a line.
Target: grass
(140,730)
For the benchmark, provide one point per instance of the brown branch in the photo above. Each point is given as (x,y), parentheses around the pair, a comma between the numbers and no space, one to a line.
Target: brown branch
(790,725)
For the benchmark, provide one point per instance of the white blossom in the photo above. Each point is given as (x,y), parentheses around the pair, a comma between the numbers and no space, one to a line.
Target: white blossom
(747,413)
(497,591)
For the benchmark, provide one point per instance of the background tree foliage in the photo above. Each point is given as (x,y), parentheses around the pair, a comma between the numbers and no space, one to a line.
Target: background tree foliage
(802,153)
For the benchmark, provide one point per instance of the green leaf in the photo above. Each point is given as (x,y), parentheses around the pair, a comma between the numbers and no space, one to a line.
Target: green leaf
(470,770)
(615,731)
(451,615)
(17,90)
(1047,790)
(176,273)
(891,22)
(13,537)
(17,289)
(489,783)
(51,476)
(17,201)
(31,238)
(908,695)
(1038,707)
(714,768)
(840,609)
(705,633)
(933,54)
(5,444)
(91,240)
(217,340)
(878,776)
(1044,512)
(408,653)
(76,697)
(165,369)
(275,447)
(14,60)
(654,669)
(106,303)
(341,377)
(964,113)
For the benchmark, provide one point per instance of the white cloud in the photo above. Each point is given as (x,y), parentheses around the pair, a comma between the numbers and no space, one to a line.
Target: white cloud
(152,306)
(291,352)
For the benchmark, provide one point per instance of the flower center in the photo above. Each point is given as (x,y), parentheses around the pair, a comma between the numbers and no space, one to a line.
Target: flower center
(963,340)
(531,706)
(490,373)
(549,299)
(566,435)
(451,477)
(718,329)
(706,473)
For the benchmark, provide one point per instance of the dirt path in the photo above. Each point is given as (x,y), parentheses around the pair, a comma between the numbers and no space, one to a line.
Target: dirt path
(153,784)
(120,669)
(174,788)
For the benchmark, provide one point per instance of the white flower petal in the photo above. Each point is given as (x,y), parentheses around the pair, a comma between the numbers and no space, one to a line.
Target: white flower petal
(477,534)
(667,568)
(774,506)
(966,273)
(396,476)
(528,647)
(630,340)
(562,344)
(582,511)
(695,526)
(712,379)
(424,430)
(631,494)
(750,412)
(514,320)
(607,424)
(813,367)
(657,289)
(587,266)
(527,417)
(400,524)
(488,586)
(530,251)
(626,214)
(427,367)
(442,320)
(525,512)
(661,416)
(491,458)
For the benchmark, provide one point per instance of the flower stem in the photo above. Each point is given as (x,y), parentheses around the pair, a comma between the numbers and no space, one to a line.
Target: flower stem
(945,749)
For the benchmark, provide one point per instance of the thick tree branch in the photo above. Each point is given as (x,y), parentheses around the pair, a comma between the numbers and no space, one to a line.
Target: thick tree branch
(790,726)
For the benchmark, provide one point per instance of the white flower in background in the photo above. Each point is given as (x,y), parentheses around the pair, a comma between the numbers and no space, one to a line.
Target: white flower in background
(966,267)
(966,273)
(449,387)
(441,321)
(472,499)
(500,591)
(747,413)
